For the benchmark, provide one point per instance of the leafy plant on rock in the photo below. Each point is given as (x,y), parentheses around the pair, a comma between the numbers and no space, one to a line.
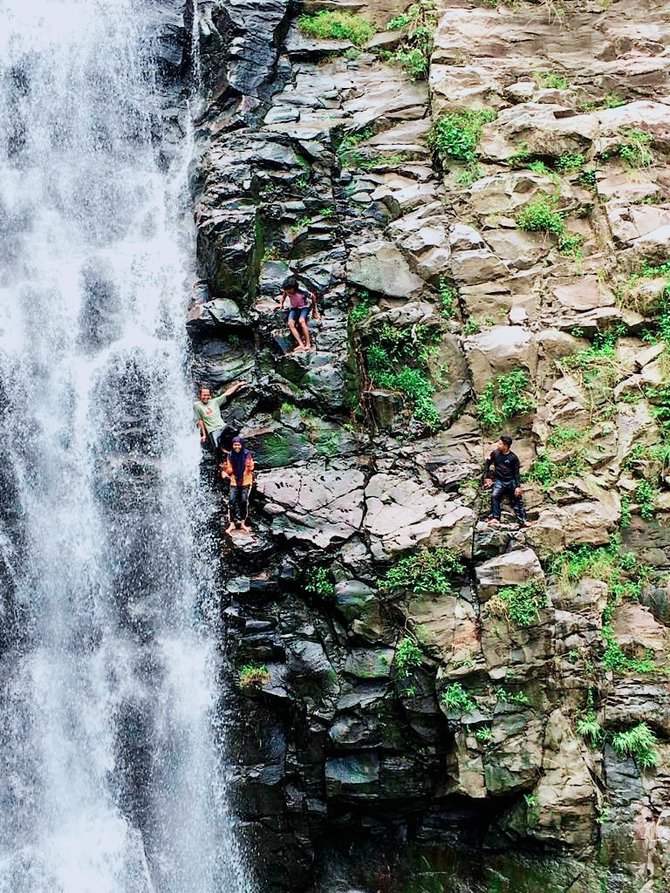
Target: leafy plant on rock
(634,149)
(333,25)
(397,359)
(253,677)
(428,571)
(639,743)
(615,659)
(456,136)
(408,657)
(416,46)
(542,216)
(457,700)
(590,729)
(508,395)
(320,584)
(520,604)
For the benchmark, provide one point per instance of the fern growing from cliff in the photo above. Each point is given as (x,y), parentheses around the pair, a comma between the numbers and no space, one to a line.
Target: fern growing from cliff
(333,25)
(508,395)
(428,571)
(639,743)
(455,137)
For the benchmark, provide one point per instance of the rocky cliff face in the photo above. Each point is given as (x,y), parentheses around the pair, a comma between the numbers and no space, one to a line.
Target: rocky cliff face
(492,246)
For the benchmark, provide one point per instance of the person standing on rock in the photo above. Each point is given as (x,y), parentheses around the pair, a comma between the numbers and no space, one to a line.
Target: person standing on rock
(301,305)
(238,467)
(207,411)
(506,481)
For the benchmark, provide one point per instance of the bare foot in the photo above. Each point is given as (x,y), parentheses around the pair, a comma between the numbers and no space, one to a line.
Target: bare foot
(231,528)
(525,523)
(494,522)
(245,528)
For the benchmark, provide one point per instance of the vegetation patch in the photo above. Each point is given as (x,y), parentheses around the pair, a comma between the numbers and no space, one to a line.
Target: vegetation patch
(634,149)
(590,729)
(616,661)
(428,571)
(551,80)
(408,658)
(331,25)
(419,23)
(542,216)
(455,137)
(562,458)
(397,359)
(504,696)
(253,677)
(319,584)
(639,743)
(508,395)
(519,604)
(448,300)
(457,700)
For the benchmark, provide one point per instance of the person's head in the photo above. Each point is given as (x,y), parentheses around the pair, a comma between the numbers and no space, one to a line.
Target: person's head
(504,444)
(290,284)
(238,444)
(205,394)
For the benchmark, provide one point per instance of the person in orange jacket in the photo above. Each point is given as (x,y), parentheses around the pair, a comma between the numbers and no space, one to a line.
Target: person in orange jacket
(238,467)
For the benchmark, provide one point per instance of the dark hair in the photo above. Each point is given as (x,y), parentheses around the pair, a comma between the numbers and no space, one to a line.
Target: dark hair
(290,284)
(204,387)
(506,440)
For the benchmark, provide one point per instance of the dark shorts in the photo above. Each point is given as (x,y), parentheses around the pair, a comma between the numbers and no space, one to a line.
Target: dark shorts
(296,313)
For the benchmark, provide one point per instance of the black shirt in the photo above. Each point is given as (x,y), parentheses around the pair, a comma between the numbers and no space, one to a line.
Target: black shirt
(506,467)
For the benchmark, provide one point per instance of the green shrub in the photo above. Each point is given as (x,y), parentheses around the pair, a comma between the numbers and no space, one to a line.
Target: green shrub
(397,359)
(416,45)
(590,729)
(503,398)
(483,734)
(455,137)
(457,700)
(426,571)
(552,81)
(570,162)
(319,583)
(408,657)
(330,25)
(511,697)
(645,496)
(346,147)
(253,676)
(616,661)
(360,309)
(521,604)
(448,300)
(634,149)
(541,216)
(639,743)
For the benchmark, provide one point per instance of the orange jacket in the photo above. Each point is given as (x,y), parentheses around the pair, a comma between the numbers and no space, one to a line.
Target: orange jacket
(248,476)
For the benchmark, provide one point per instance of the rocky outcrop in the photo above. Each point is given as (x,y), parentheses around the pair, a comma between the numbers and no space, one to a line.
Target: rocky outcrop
(414,665)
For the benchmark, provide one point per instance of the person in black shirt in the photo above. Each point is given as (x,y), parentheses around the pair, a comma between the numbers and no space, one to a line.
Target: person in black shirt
(505,481)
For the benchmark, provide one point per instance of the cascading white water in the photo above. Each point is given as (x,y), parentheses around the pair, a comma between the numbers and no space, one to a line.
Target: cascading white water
(110,778)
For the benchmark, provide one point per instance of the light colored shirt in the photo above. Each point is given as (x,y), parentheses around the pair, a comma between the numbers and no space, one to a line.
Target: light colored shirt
(210,413)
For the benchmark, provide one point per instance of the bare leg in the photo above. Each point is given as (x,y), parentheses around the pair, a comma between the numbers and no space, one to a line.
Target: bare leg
(305,334)
(294,332)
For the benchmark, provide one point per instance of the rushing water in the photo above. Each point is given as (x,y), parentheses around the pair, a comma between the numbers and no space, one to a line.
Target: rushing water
(109,770)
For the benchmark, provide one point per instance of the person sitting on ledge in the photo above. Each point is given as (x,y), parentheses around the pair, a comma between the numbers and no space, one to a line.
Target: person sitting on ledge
(506,481)
(207,411)
(238,467)
(301,304)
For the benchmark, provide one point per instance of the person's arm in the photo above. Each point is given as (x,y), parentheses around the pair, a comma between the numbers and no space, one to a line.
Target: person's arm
(232,389)
(517,476)
(201,425)
(488,480)
(227,469)
(282,301)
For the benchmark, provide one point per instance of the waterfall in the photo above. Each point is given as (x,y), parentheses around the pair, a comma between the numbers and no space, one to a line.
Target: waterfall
(110,773)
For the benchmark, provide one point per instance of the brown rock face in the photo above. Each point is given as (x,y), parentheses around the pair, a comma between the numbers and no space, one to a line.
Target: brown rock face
(478,275)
